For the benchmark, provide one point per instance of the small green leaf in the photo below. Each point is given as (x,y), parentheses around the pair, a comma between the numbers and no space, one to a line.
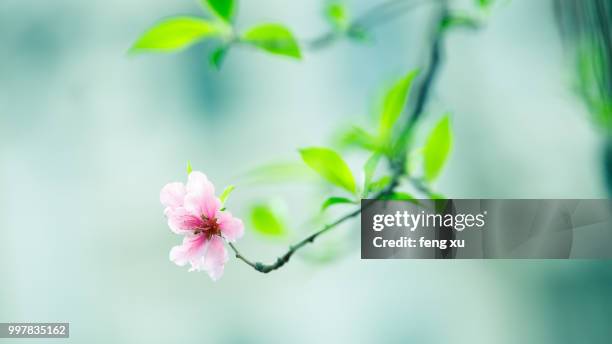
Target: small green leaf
(174,34)
(393,104)
(330,165)
(414,161)
(436,150)
(290,171)
(358,33)
(226,192)
(359,137)
(592,70)
(218,56)
(337,16)
(401,196)
(436,196)
(380,184)
(265,221)
(459,20)
(273,38)
(368,170)
(189,169)
(335,200)
(484,4)
(223,9)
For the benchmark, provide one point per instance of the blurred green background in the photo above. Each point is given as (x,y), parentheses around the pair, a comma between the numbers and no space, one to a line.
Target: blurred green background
(88,136)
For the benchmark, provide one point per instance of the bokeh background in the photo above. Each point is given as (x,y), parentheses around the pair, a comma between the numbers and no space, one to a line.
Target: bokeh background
(89,135)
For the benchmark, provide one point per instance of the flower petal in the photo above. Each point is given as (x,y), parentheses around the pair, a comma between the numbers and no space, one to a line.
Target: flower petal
(182,221)
(172,195)
(199,183)
(215,258)
(231,227)
(199,204)
(192,250)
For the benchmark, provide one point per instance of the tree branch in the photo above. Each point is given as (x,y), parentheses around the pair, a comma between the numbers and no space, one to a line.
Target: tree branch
(435,58)
(398,168)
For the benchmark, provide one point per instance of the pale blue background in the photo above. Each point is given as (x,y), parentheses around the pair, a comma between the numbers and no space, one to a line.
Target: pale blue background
(88,136)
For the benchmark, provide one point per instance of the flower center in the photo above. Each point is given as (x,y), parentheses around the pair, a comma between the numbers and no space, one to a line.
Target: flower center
(209,227)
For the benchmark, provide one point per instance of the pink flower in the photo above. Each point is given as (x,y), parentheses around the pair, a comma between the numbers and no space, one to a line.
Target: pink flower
(194,211)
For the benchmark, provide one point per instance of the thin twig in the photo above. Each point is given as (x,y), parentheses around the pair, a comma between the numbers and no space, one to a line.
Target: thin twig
(381,13)
(282,260)
(392,10)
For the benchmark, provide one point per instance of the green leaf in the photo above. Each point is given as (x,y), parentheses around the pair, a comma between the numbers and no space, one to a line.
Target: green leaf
(330,165)
(414,161)
(189,169)
(359,137)
(358,33)
(335,200)
(592,70)
(265,221)
(226,192)
(436,196)
(224,9)
(436,150)
(401,196)
(393,104)
(484,4)
(368,170)
(280,172)
(459,20)
(380,184)
(273,38)
(174,34)
(218,56)
(337,16)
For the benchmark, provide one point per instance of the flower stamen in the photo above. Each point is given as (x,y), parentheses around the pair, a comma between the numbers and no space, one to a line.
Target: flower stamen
(209,227)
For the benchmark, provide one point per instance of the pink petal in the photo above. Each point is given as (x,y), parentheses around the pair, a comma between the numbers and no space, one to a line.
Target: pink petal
(231,227)
(172,195)
(190,251)
(214,259)
(199,204)
(182,221)
(199,183)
